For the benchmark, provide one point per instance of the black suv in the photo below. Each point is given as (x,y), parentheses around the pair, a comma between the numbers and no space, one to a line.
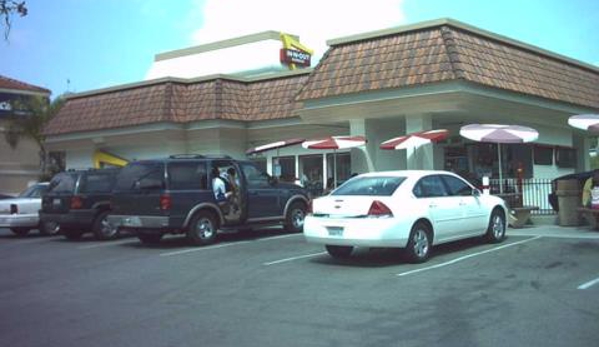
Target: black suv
(78,201)
(176,195)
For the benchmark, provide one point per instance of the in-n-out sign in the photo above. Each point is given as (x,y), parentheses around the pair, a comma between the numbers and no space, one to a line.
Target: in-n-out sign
(294,56)
(293,53)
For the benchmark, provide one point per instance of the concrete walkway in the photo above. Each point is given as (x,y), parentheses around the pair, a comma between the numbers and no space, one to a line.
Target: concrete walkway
(546,226)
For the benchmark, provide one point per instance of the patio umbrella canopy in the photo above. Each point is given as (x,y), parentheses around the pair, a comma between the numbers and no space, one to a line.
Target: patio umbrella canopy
(335,143)
(415,140)
(588,122)
(498,133)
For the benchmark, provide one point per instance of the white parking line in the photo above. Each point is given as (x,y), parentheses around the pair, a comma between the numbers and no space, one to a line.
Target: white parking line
(294,258)
(588,284)
(198,249)
(279,237)
(106,244)
(466,257)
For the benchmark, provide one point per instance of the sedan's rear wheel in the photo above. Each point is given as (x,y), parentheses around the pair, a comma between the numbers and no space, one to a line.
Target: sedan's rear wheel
(496,228)
(339,252)
(419,245)
(20,231)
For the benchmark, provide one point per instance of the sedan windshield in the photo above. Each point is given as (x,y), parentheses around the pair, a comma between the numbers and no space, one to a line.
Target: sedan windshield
(35,191)
(370,186)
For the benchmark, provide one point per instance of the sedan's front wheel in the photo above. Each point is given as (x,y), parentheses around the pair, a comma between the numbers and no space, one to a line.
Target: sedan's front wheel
(49,228)
(496,228)
(419,245)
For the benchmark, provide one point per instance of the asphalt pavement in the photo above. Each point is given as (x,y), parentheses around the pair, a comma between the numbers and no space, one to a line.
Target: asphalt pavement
(271,288)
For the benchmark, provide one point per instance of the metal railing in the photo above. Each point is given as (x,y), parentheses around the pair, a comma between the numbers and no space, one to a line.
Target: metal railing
(525,192)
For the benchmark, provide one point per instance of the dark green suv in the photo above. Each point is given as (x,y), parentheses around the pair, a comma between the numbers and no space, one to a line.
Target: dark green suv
(178,195)
(78,201)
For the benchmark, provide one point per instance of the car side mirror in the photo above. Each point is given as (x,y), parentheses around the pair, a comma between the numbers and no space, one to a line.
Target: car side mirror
(476,192)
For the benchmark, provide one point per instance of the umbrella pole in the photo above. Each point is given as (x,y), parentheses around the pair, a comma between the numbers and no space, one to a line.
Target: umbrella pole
(334,168)
(500,171)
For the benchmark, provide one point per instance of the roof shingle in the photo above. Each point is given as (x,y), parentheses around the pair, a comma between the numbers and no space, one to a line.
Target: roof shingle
(12,84)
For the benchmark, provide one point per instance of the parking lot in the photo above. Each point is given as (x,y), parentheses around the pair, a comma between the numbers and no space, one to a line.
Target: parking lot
(271,288)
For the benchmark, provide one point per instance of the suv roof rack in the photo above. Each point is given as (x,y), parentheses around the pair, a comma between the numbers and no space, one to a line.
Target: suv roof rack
(186,156)
(200,156)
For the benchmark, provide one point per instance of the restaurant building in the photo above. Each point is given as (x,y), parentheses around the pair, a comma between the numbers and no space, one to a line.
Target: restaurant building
(19,166)
(441,74)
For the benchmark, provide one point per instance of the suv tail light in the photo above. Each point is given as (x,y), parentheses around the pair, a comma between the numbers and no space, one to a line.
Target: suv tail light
(165,202)
(76,203)
(378,209)
(14,209)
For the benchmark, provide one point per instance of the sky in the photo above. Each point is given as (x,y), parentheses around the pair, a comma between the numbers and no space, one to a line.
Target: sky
(82,45)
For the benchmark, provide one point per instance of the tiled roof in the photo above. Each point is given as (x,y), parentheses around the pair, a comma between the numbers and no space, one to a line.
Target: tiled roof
(178,102)
(12,84)
(444,52)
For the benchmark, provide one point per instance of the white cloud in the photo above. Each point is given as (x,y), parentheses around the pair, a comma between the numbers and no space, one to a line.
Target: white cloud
(315,21)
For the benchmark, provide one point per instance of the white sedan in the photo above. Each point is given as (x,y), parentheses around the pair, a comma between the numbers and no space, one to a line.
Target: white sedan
(413,210)
(21,214)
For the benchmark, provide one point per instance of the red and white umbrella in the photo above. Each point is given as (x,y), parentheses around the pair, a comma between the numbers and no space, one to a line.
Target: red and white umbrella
(499,133)
(588,122)
(335,143)
(274,145)
(415,140)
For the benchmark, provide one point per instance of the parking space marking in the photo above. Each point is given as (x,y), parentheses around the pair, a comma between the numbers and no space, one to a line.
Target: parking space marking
(279,237)
(457,260)
(294,258)
(589,284)
(206,248)
(106,244)
(26,241)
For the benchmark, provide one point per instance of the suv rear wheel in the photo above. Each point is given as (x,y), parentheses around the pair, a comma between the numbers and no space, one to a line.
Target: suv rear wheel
(49,228)
(102,229)
(294,220)
(202,229)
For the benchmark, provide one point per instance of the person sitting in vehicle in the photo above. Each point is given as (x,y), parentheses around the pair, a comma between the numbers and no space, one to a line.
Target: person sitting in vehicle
(220,191)
(590,191)
(234,190)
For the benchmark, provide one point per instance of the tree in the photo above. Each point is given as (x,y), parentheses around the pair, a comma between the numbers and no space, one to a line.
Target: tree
(9,8)
(28,120)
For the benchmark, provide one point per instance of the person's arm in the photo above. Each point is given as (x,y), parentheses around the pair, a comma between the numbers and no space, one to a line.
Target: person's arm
(586,192)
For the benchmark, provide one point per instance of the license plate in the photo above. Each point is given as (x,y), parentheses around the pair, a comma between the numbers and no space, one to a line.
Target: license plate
(56,202)
(335,231)
(132,222)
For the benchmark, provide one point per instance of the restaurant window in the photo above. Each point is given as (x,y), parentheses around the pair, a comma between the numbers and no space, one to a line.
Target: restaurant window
(310,171)
(543,155)
(342,165)
(284,168)
(565,157)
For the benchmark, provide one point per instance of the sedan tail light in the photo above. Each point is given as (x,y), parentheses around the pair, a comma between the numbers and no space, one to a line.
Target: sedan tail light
(76,203)
(14,209)
(378,209)
(165,202)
